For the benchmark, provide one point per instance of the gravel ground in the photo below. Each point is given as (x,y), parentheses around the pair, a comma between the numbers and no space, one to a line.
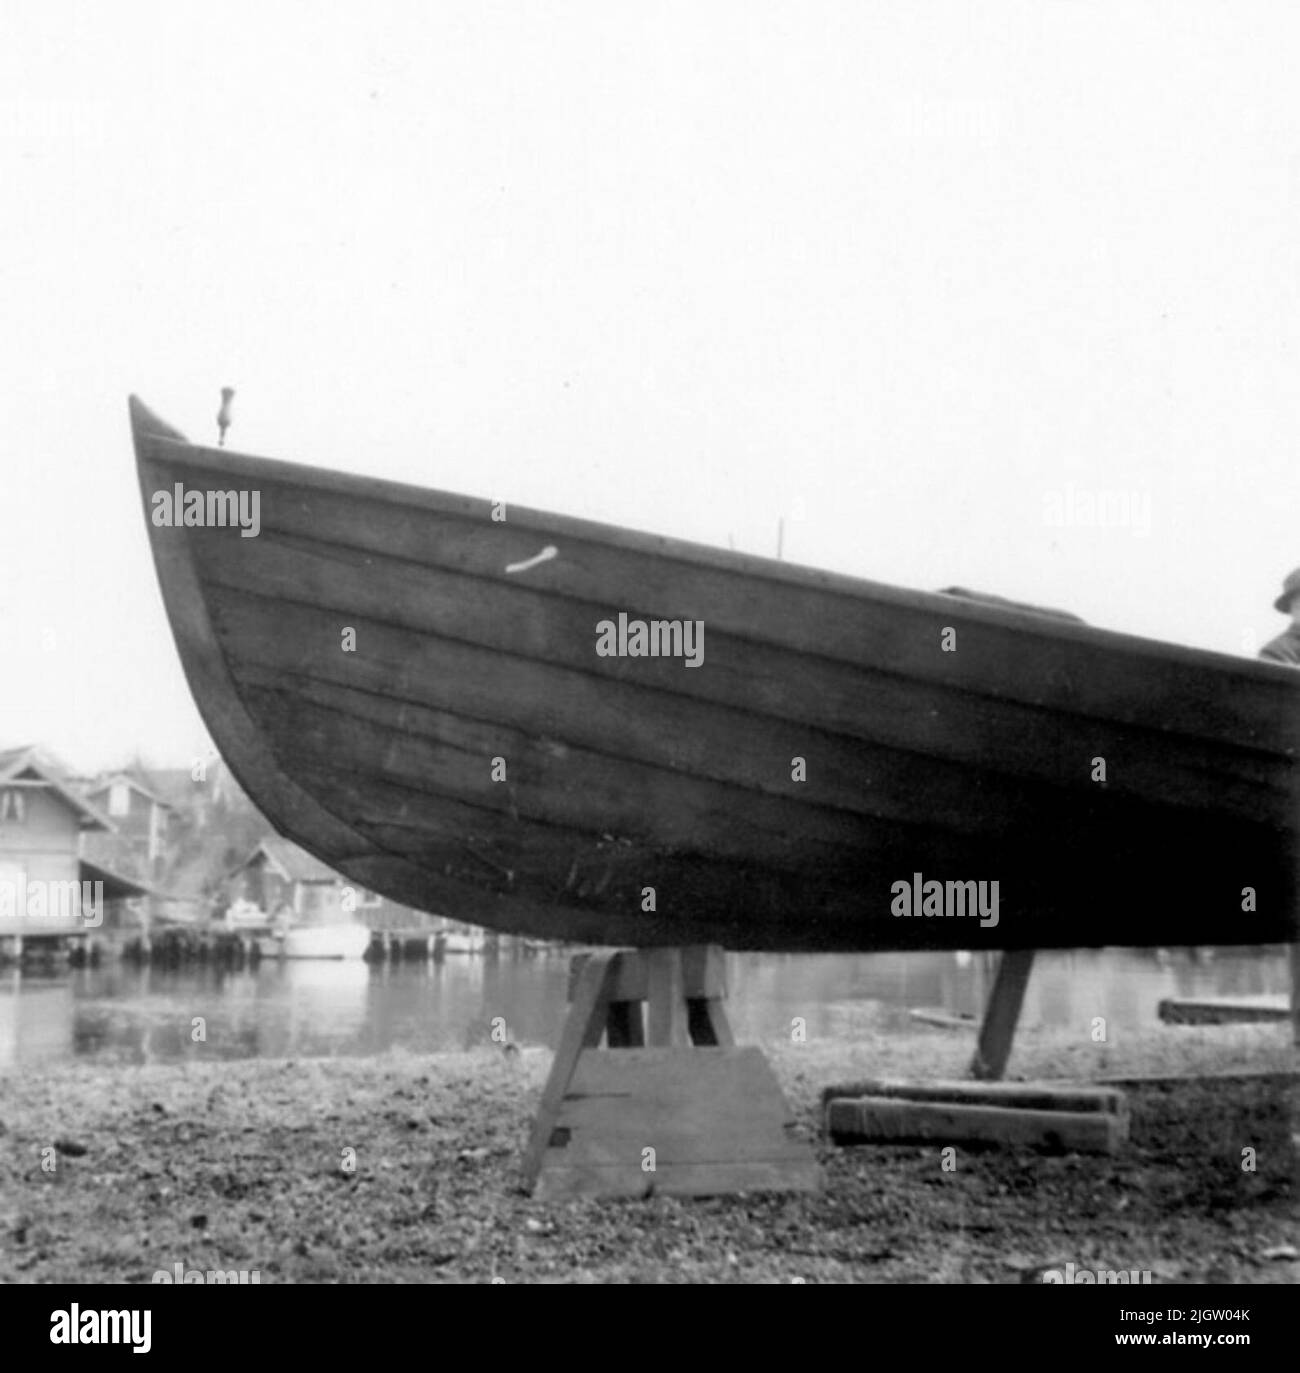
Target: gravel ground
(238,1166)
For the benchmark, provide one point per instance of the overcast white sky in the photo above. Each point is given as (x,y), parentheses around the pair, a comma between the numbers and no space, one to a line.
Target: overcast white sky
(894,271)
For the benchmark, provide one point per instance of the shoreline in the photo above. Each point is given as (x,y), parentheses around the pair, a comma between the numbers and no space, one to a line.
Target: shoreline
(239,1164)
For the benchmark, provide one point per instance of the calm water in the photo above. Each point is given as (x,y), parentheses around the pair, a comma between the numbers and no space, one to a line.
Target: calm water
(305,1009)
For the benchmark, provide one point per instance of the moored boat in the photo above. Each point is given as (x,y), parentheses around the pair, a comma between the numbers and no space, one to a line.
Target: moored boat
(298,938)
(322,941)
(496,718)
(463,940)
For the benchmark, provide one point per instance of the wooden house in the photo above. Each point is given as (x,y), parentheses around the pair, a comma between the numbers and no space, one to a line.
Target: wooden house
(281,880)
(206,792)
(179,829)
(278,877)
(43,822)
(142,819)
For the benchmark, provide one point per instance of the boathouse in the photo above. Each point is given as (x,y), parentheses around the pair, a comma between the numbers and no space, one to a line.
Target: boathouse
(43,822)
(179,829)
(141,817)
(279,877)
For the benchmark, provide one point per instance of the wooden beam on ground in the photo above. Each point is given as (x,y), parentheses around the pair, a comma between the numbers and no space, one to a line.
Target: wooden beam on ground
(888,1120)
(1001,1014)
(1032,1096)
(945,1020)
(1222,1010)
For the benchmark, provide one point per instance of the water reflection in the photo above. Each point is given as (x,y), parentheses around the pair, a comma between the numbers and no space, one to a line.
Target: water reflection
(303,1008)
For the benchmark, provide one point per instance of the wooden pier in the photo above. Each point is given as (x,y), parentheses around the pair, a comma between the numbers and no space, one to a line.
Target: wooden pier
(1224,1010)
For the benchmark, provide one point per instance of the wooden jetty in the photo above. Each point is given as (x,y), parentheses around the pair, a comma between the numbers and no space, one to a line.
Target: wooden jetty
(1223,1010)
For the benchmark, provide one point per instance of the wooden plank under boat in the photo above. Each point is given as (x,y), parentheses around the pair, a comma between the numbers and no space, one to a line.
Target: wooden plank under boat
(628,773)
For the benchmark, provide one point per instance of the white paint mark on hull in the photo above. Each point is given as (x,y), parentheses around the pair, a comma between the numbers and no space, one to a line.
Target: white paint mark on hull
(545,556)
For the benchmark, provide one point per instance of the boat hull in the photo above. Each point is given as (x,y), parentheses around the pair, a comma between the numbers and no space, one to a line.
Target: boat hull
(411,690)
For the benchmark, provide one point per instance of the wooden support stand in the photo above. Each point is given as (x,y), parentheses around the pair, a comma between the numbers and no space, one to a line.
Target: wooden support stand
(1001,1015)
(672,1106)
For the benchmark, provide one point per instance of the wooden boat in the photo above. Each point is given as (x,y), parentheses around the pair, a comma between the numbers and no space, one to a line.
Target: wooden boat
(471,753)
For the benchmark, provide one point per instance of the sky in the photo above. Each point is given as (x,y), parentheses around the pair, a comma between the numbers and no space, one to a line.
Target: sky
(930,285)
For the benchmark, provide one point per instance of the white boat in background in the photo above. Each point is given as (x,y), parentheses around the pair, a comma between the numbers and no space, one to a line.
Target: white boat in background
(325,941)
(331,939)
(466,939)
(315,939)
(295,906)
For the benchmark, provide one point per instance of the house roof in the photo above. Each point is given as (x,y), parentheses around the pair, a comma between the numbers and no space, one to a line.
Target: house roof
(291,862)
(133,778)
(116,887)
(32,764)
(176,785)
(172,787)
